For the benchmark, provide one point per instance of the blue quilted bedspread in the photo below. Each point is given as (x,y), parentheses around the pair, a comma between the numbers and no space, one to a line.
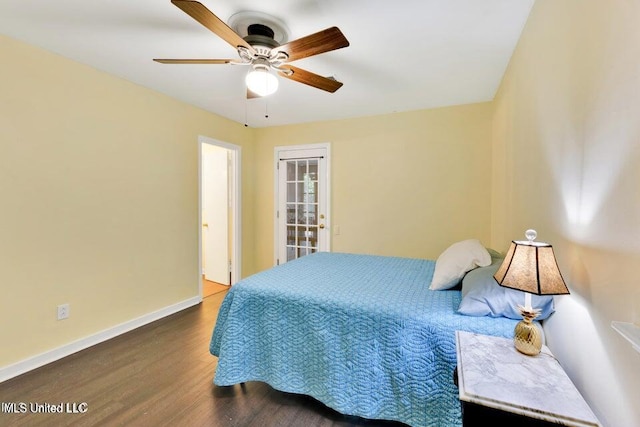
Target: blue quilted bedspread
(362,334)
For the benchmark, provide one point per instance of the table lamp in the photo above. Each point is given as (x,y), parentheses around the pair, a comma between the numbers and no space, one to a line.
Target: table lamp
(530,267)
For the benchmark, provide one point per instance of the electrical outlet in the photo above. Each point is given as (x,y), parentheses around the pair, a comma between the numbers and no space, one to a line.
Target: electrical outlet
(63,311)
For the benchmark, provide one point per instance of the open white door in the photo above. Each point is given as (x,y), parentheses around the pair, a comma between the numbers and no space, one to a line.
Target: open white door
(215,213)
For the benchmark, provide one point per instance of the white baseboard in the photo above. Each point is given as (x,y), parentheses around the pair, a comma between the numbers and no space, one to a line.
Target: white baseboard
(26,365)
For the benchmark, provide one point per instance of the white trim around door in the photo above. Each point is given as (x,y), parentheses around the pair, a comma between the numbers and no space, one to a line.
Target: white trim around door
(235,198)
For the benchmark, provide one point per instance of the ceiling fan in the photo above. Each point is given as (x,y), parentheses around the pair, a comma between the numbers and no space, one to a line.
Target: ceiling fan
(263,53)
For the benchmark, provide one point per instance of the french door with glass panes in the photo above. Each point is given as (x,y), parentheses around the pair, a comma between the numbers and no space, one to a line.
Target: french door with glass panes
(302,222)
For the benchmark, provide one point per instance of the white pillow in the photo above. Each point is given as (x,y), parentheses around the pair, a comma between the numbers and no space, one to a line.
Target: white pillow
(456,260)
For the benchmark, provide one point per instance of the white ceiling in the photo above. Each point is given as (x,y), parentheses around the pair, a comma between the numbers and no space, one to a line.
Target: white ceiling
(403,55)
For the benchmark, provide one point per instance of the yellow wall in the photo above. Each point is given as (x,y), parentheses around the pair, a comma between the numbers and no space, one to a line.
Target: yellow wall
(567,162)
(99,187)
(99,209)
(406,184)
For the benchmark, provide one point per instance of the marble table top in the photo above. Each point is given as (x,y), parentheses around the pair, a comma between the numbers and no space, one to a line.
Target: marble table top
(491,372)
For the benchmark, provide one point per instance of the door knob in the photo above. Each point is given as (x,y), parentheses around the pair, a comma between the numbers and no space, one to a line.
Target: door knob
(321,226)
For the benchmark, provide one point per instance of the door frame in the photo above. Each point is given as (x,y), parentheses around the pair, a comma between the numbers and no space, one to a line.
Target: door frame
(276,158)
(235,196)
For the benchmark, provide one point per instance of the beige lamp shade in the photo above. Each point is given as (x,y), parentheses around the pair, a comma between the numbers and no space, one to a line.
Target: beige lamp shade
(531,267)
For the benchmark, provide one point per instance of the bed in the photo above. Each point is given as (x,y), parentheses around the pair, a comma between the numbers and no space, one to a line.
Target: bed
(363,334)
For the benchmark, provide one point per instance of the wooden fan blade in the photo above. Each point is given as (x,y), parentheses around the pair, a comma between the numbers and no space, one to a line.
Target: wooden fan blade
(311,79)
(200,13)
(314,44)
(193,61)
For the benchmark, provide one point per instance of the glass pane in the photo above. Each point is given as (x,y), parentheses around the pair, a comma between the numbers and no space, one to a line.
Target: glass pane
(291,253)
(311,190)
(310,187)
(291,235)
(291,171)
(301,192)
(312,236)
(291,213)
(300,216)
(302,236)
(302,169)
(291,193)
(313,169)
(311,215)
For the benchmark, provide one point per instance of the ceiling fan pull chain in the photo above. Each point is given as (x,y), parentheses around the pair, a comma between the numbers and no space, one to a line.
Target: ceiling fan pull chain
(245,114)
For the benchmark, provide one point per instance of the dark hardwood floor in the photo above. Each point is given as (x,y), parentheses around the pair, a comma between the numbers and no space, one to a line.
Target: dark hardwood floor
(157,375)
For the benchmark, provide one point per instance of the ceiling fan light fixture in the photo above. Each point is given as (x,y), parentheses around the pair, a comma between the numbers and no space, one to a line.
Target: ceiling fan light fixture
(262,43)
(261,82)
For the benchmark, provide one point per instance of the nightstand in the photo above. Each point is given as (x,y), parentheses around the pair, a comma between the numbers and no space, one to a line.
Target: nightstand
(500,386)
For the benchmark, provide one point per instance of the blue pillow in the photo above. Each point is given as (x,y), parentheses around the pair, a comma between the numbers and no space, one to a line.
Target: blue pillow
(482,296)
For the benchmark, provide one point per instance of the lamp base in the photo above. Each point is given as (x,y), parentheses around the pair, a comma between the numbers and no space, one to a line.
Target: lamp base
(526,336)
